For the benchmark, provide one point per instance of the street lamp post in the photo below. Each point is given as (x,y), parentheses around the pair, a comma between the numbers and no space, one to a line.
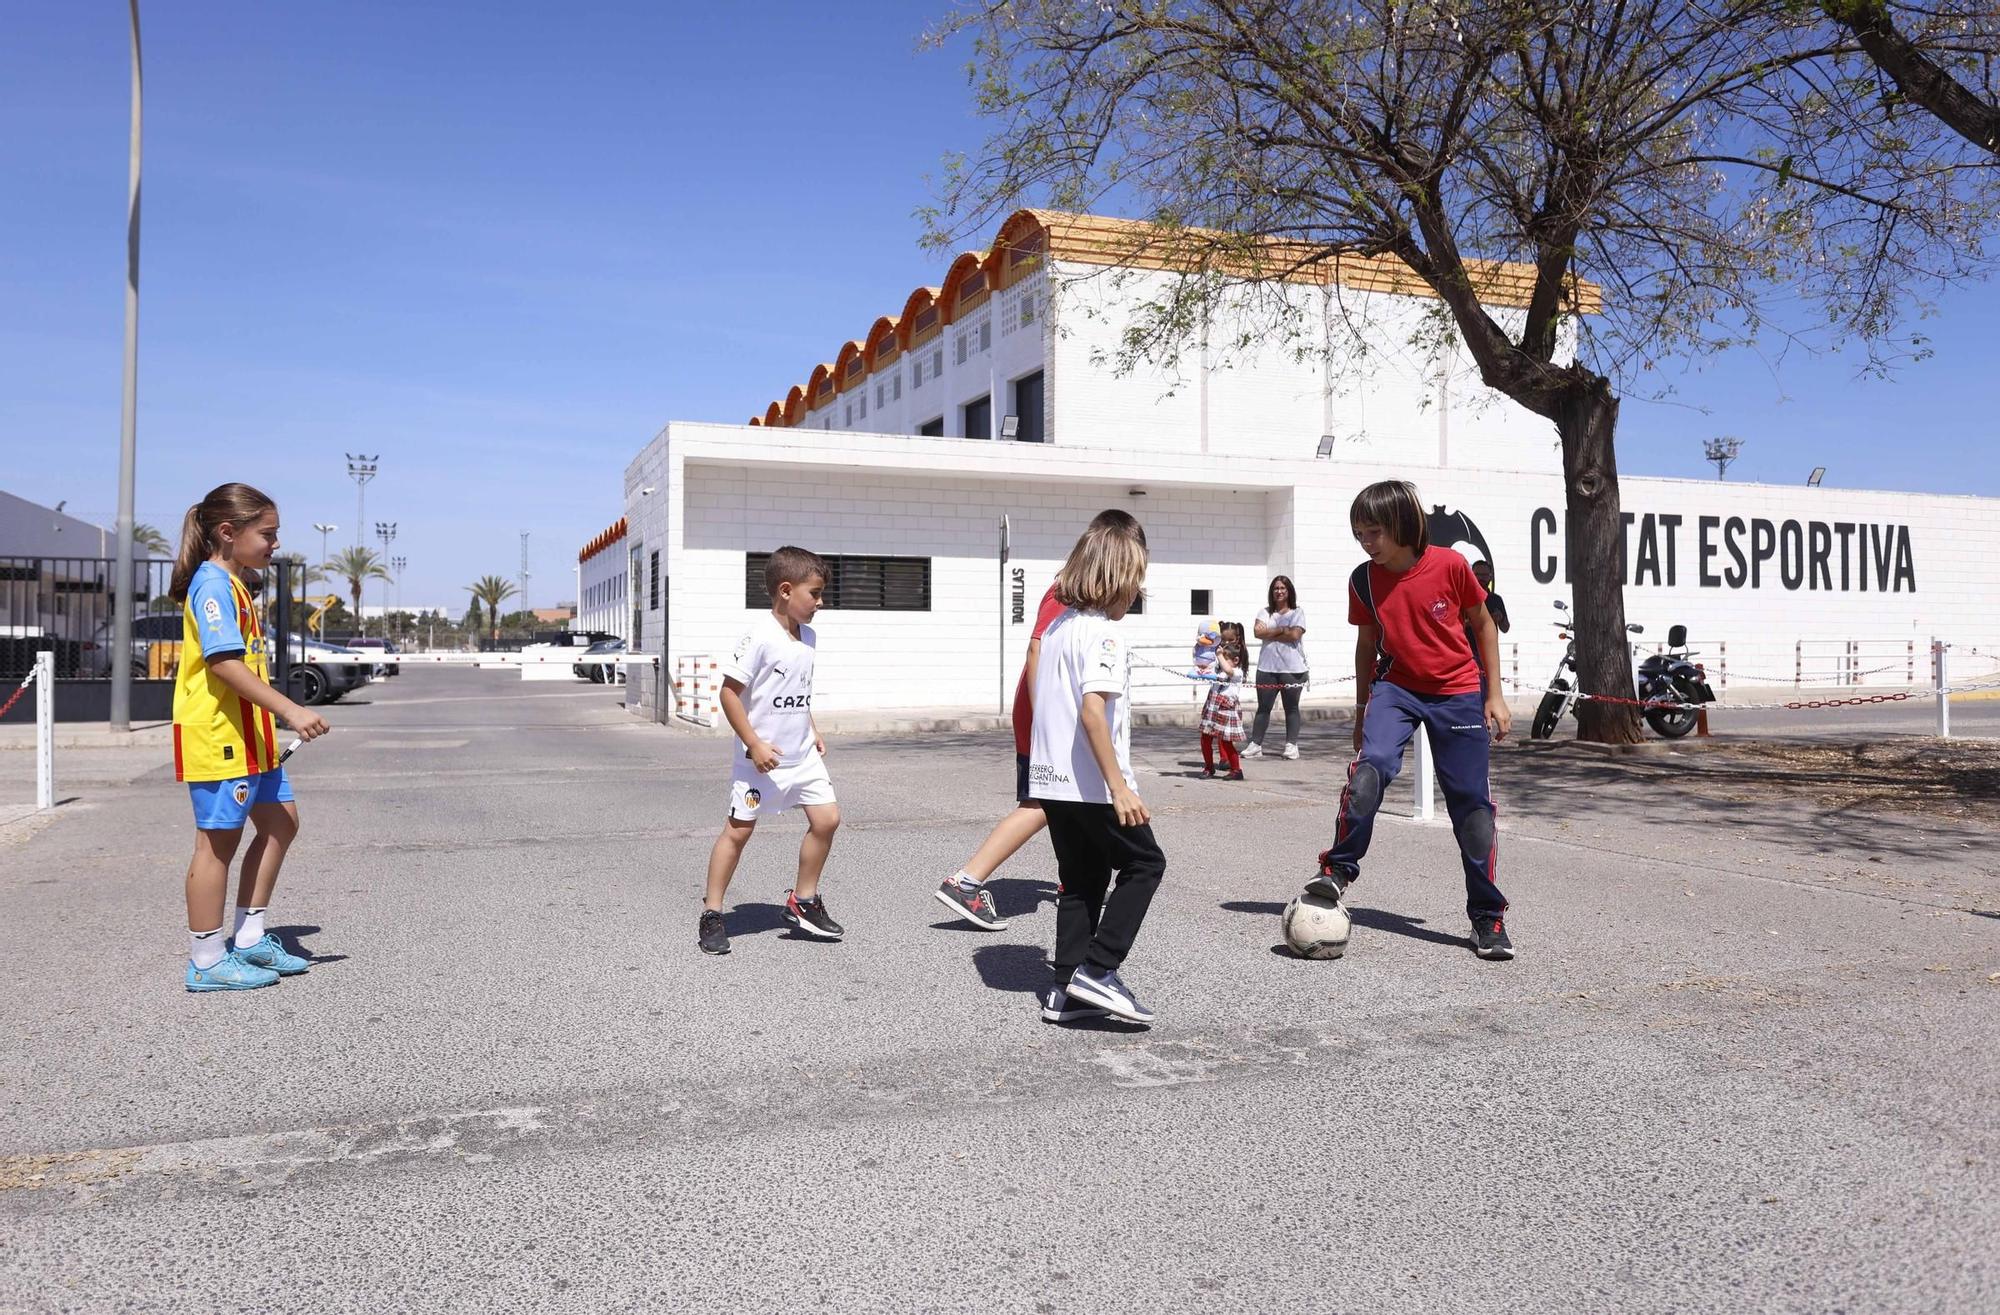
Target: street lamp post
(386,532)
(324,529)
(361,469)
(397,564)
(128,441)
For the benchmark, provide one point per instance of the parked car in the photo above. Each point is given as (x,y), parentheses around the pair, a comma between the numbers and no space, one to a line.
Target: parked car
(314,682)
(372,644)
(602,672)
(155,628)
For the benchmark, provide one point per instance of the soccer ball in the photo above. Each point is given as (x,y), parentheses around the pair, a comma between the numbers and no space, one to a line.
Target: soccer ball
(1316,927)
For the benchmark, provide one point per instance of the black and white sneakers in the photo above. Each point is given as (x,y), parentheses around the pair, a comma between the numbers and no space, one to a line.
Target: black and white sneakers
(974,904)
(810,918)
(712,937)
(1103,987)
(1332,880)
(1059,1007)
(1490,940)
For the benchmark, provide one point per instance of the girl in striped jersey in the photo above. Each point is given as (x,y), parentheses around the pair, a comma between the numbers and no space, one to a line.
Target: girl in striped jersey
(226,738)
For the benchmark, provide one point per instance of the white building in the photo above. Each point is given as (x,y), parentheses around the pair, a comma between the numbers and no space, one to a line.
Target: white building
(603,597)
(893,461)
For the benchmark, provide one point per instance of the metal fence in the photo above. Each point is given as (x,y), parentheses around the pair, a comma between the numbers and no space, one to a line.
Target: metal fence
(62,605)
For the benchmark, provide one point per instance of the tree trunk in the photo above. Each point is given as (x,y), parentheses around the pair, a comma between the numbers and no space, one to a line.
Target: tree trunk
(1587,419)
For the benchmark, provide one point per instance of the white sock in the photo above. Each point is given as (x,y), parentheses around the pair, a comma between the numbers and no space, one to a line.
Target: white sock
(249,927)
(206,948)
(966,881)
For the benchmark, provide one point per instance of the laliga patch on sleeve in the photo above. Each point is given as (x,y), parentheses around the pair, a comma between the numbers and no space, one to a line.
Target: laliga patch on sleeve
(212,609)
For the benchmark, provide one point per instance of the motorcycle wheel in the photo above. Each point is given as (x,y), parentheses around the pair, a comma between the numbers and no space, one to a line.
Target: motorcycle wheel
(1672,723)
(1549,713)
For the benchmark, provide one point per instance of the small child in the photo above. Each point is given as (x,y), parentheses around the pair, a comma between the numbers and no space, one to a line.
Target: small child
(1414,670)
(767,697)
(1222,710)
(225,742)
(1206,640)
(1080,767)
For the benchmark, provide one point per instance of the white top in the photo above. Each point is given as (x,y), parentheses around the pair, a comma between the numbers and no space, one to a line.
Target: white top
(1277,655)
(776,672)
(1082,653)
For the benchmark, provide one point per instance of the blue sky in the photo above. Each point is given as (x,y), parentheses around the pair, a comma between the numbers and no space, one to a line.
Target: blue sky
(502,243)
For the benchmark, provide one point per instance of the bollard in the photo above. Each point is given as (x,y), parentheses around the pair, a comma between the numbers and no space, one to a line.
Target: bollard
(1423,778)
(1941,688)
(45,730)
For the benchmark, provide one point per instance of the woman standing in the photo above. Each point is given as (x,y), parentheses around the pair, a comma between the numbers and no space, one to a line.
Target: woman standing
(1281,664)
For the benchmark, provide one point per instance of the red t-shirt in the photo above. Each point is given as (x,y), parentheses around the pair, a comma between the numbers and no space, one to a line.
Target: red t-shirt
(1417,620)
(1024,712)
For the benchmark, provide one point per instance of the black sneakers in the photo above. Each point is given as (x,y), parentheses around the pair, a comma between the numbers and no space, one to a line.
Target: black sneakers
(1332,880)
(810,918)
(974,905)
(1058,1007)
(1489,939)
(712,937)
(1104,988)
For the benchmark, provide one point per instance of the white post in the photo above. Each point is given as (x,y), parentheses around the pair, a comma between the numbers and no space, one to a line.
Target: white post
(1942,687)
(45,730)
(1424,777)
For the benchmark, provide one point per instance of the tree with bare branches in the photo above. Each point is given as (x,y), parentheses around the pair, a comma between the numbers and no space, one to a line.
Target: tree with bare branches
(1685,158)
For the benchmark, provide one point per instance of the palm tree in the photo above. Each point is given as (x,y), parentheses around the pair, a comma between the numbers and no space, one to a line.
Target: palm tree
(357,566)
(154,542)
(492,590)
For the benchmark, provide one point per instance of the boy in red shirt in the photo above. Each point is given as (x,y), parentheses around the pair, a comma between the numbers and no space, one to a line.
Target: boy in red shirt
(1414,607)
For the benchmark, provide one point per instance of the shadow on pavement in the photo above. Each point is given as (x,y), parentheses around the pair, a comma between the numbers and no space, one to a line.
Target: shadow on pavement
(293,937)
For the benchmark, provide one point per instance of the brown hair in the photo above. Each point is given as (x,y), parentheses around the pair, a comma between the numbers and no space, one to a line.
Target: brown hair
(791,565)
(1271,593)
(1106,567)
(1111,518)
(225,504)
(1232,643)
(1394,505)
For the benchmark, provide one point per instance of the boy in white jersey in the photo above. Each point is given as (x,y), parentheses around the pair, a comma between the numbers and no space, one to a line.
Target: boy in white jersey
(767,697)
(1080,768)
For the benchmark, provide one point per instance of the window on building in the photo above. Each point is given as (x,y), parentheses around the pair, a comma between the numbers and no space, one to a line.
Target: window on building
(932,428)
(986,334)
(896,387)
(1199,602)
(1027,308)
(653,593)
(1028,409)
(960,341)
(916,374)
(637,568)
(861,407)
(855,583)
(979,418)
(937,362)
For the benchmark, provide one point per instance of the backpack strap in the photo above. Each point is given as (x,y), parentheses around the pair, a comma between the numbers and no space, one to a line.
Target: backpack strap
(1364,590)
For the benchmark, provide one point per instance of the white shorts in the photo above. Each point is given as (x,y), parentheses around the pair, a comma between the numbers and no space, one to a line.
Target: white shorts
(754,794)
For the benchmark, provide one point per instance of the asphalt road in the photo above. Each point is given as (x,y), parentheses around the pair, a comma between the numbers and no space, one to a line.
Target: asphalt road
(1747,1060)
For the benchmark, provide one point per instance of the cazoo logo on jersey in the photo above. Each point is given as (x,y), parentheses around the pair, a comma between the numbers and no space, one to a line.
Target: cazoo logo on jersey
(792,701)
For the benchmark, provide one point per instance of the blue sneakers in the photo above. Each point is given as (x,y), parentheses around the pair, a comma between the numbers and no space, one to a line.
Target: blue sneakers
(270,953)
(1105,990)
(231,973)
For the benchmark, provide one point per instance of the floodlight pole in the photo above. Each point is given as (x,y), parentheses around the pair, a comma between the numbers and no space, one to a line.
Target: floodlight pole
(128,438)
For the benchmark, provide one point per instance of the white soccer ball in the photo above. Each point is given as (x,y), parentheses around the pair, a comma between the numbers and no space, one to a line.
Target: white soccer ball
(1317,927)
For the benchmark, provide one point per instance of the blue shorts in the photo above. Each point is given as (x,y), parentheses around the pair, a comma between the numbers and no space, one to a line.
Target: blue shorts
(226,805)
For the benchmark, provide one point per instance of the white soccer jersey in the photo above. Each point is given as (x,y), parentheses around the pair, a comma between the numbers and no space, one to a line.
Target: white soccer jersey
(776,672)
(1082,653)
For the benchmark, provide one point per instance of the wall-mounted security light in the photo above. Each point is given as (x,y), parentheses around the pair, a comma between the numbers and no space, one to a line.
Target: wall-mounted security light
(1812,480)
(646,492)
(1010,426)
(1325,447)
(1136,493)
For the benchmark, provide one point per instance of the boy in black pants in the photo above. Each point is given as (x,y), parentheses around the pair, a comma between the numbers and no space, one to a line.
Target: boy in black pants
(1080,768)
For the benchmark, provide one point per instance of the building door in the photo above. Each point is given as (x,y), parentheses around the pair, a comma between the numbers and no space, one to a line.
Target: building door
(979,418)
(1028,408)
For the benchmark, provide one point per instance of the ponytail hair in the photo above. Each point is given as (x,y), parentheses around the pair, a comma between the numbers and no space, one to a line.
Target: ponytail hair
(226,504)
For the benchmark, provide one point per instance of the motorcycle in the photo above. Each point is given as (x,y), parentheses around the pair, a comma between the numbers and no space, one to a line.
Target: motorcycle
(1670,677)
(1667,677)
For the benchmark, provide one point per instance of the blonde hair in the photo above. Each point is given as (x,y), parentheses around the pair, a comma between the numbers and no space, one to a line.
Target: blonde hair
(1106,568)
(226,504)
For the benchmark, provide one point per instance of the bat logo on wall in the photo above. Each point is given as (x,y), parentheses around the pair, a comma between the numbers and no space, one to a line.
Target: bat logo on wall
(1455,529)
